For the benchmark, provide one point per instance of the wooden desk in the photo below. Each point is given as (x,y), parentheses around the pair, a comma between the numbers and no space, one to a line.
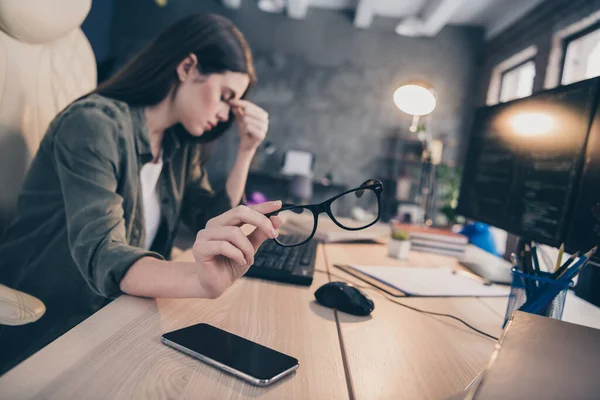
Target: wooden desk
(395,353)
(117,353)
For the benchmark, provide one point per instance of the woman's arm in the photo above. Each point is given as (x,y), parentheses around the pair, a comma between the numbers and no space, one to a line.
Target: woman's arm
(236,181)
(150,277)
(222,253)
(200,203)
(253,124)
(85,146)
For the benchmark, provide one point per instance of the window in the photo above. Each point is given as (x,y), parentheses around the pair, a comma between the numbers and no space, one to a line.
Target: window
(513,77)
(517,82)
(582,55)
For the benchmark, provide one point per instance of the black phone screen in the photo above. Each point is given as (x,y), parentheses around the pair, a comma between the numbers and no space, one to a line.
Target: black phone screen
(234,351)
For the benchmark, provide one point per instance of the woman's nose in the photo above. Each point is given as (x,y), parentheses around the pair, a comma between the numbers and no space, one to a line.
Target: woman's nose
(223,113)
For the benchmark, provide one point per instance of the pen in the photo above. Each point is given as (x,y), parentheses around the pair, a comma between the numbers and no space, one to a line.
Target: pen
(543,299)
(527,264)
(514,260)
(564,274)
(536,261)
(481,279)
(530,284)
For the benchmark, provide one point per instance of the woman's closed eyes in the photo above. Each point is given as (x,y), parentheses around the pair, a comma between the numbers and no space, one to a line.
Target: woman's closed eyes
(227,96)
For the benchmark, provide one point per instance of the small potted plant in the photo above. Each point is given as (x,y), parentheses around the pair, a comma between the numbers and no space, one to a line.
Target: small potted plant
(399,245)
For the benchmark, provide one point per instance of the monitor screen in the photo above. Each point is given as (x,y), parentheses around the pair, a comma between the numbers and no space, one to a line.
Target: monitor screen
(584,228)
(525,159)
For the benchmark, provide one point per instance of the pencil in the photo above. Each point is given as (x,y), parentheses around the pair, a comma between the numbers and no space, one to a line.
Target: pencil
(565,265)
(579,264)
(591,253)
(561,251)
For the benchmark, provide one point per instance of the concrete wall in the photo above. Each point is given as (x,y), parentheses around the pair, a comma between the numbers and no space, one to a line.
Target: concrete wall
(327,85)
(536,28)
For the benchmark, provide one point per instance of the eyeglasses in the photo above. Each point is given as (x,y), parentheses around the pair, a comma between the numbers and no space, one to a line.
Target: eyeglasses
(353,202)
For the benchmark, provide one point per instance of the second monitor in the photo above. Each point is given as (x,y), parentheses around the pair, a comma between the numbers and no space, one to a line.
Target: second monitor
(525,159)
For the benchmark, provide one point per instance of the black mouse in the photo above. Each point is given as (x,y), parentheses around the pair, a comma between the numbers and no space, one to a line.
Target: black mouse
(344,297)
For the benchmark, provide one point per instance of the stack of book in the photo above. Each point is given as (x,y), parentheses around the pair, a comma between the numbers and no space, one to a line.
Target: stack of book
(434,240)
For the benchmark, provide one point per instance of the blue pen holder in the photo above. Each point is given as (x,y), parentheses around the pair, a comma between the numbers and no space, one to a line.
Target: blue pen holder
(539,295)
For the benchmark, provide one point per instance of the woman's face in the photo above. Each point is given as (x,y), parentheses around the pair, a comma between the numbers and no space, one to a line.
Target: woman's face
(202,101)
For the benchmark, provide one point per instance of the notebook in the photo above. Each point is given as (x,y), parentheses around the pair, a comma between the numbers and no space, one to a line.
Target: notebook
(431,282)
(434,240)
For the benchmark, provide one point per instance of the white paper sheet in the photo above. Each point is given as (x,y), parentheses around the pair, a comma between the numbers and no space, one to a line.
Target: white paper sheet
(419,281)
(298,163)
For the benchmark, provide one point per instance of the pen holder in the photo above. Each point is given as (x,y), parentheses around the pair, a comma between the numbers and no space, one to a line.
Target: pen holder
(535,294)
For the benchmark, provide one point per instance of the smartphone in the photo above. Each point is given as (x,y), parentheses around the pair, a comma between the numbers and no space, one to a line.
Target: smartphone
(243,358)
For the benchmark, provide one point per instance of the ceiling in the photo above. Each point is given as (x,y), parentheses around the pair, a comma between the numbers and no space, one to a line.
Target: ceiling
(415,17)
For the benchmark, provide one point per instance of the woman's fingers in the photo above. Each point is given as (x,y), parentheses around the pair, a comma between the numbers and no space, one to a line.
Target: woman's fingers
(215,248)
(258,237)
(267,207)
(231,234)
(238,112)
(255,126)
(224,229)
(249,215)
(253,122)
(254,117)
(248,108)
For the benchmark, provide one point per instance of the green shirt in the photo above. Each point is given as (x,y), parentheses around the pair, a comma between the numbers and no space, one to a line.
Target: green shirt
(80,223)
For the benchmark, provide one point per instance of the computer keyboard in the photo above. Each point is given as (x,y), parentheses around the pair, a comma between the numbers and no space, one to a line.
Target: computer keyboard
(285,264)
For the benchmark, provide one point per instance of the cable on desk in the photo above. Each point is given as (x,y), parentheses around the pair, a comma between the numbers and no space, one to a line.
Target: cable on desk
(382,293)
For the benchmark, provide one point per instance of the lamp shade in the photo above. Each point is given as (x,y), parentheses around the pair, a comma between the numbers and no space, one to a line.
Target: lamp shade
(271,6)
(414,100)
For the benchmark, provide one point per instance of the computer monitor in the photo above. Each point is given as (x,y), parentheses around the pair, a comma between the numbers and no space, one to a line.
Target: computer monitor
(525,161)
(583,231)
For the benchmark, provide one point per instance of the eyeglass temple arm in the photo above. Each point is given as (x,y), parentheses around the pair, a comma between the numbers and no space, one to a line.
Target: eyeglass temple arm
(366,183)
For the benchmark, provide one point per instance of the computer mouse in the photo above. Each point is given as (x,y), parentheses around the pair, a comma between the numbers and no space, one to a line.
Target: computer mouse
(344,297)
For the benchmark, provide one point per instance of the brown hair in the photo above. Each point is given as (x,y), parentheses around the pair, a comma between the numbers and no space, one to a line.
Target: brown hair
(151,75)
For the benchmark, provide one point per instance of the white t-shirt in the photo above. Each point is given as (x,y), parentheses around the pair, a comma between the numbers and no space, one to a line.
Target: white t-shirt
(149,179)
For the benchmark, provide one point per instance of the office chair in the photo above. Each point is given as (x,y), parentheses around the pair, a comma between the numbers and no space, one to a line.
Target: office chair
(46,62)
(18,308)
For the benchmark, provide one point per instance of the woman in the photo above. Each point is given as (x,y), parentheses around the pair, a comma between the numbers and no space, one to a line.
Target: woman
(116,172)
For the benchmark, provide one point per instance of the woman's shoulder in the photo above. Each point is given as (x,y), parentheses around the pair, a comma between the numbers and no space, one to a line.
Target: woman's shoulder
(95,104)
(92,113)
(92,121)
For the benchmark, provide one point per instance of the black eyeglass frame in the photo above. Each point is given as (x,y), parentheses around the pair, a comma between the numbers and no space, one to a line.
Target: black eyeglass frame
(325,207)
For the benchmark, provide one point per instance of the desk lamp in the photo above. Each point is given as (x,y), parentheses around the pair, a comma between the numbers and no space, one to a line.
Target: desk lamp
(418,100)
